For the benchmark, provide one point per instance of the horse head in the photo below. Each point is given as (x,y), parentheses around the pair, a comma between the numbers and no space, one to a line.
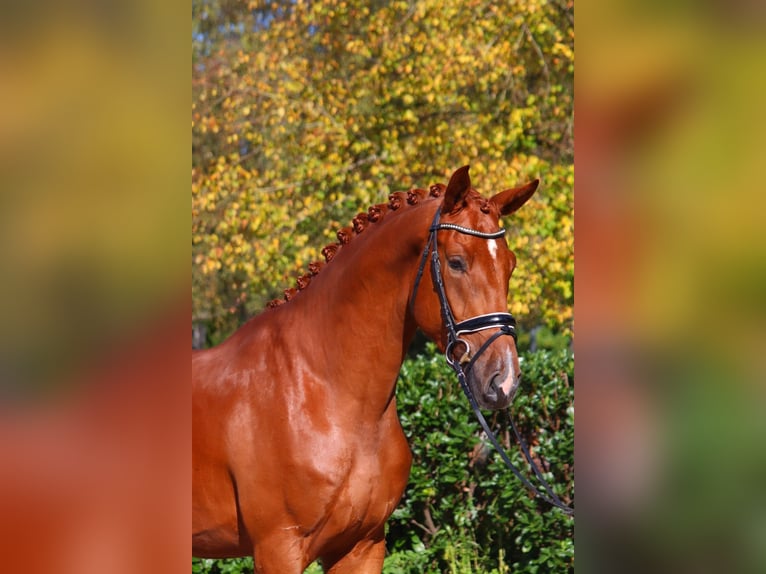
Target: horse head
(466,311)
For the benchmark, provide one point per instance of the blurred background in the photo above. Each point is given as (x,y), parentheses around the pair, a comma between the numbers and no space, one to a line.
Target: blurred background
(671,263)
(669,318)
(94,214)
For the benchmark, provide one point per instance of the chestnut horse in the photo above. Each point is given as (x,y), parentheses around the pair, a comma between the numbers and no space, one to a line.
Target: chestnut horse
(298,453)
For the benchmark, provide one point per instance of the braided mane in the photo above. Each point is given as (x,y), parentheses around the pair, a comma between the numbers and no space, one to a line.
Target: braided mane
(345,235)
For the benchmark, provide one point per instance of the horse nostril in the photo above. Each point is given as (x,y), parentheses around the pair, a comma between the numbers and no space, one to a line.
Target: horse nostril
(495,390)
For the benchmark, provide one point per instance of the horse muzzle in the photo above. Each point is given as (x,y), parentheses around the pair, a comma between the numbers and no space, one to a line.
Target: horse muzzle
(500,390)
(492,371)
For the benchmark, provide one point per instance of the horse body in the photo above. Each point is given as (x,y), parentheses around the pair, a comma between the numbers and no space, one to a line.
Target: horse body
(298,452)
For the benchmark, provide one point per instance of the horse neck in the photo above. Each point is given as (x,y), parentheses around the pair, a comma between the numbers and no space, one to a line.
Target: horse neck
(355,314)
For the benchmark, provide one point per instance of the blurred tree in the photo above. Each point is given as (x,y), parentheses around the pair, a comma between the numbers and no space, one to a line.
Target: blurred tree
(305,113)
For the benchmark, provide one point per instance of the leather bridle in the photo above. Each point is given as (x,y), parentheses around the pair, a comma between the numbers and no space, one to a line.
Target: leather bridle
(506,325)
(504,322)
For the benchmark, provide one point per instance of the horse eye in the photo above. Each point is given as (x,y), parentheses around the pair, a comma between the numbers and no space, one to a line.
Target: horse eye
(457,264)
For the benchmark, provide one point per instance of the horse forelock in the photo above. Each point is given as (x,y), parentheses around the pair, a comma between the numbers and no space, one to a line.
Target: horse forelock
(397,201)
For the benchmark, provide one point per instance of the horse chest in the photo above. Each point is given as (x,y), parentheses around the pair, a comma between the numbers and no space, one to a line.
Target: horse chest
(369,490)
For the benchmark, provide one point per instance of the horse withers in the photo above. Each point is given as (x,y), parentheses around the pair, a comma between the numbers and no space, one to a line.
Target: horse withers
(298,453)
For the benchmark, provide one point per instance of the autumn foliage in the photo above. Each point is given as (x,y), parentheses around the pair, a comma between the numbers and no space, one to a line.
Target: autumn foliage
(306,113)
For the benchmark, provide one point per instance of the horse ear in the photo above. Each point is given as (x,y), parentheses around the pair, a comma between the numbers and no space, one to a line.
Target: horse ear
(457,189)
(510,200)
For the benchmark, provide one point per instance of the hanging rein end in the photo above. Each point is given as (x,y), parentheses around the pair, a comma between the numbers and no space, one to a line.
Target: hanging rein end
(558,504)
(553,500)
(567,510)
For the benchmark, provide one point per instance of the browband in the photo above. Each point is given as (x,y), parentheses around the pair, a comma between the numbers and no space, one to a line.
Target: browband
(468,231)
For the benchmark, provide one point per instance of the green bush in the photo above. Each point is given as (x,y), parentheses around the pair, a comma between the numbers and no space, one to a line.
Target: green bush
(234,566)
(463,510)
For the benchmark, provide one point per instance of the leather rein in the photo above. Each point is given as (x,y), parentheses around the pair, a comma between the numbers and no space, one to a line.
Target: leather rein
(506,325)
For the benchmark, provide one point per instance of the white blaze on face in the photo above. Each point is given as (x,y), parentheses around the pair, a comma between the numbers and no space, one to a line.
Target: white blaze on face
(512,380)
(510,385)
(493,249)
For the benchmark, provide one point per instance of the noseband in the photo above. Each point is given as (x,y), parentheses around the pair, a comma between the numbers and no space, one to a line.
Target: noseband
(506,325)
